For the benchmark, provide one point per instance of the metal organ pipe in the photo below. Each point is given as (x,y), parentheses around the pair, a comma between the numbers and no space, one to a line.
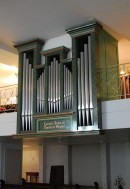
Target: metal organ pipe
(82,87)
(57,78)
(85,101)
(79,91)
(23,94)
(49,92)
(90,78)
(40,93)
(67,88)
(51,87)
(29,97)
(64,87)
(27,94)
(32,98)
(38,96)
(58,87)
(54,87)
(86,82)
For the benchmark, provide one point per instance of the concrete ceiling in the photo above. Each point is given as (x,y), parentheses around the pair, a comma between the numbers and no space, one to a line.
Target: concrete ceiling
(27,19)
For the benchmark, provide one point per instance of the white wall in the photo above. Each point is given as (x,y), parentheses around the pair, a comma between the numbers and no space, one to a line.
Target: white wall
(86,164)
(1,161)
(64,40)
(55,154)
(115,114)
(4,147)
(119,161)
(8,123)
(30,161)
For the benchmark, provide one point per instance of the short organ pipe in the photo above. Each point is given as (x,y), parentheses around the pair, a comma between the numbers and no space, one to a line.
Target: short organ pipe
(40,93)
(67,88)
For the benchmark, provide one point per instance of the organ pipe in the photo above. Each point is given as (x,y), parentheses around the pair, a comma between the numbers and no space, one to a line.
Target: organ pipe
(40,93)
(67,88)
(85,101)
(27,94)
(90,78)
(79,91)
(86,82)
(54,87)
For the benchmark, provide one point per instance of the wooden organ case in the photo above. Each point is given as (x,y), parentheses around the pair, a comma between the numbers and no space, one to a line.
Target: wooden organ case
(61,97)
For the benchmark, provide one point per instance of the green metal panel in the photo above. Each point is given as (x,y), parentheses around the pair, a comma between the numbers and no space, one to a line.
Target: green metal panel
(109,78)
(55,124)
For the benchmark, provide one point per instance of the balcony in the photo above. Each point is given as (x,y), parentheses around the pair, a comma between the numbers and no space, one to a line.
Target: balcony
(8,99)
(113,89)
(113,83)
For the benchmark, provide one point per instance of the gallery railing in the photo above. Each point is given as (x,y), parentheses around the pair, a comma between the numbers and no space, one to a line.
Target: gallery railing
(8,98)
(114,82)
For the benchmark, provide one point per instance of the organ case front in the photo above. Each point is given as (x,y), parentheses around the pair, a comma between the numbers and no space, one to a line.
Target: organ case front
(62,95)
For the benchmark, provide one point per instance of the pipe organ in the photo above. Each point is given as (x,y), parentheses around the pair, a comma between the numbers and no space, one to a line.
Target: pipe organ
(62,94)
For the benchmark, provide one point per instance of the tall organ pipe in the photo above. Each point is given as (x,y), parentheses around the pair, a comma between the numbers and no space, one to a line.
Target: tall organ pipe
(82,87)
(79,91)
(31,98)
(64,87)
(69,89)
(40,89)
(49,92)
(54,87)
(42,92)
(23,92)
(57,78)
(90,78)
(27,94)
(86,82)
(42,78)
(59,85)
(51,87)
(38,96)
